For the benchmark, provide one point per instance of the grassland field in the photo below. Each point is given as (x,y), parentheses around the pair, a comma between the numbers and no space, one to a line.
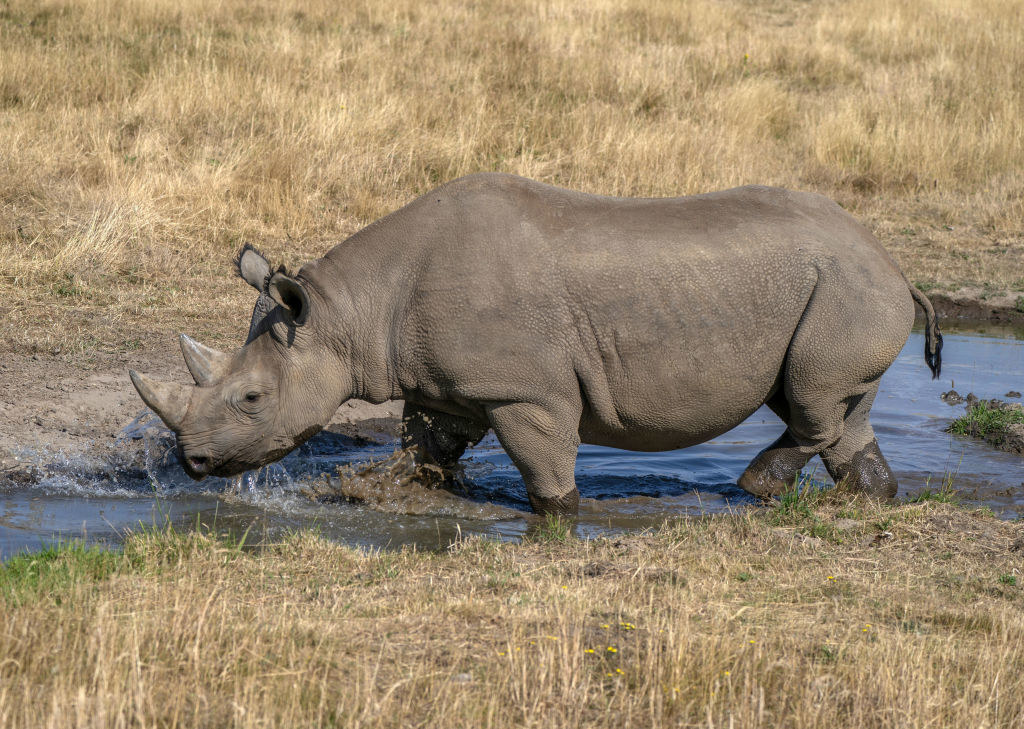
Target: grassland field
(143,142)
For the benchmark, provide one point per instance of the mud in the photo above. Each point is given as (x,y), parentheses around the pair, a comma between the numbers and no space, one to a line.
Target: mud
(396,485)
(975,304)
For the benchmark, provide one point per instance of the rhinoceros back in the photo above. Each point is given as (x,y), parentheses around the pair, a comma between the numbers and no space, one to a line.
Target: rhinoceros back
(671,317)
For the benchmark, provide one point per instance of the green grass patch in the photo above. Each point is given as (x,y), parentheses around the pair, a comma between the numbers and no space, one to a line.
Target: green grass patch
(799,508)
(55,570)
(552,528)
(944,494)
(984,421)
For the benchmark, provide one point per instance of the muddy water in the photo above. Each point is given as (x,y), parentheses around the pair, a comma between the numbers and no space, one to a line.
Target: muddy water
(136,481)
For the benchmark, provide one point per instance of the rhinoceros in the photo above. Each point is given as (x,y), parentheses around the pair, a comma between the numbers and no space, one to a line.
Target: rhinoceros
(557,317)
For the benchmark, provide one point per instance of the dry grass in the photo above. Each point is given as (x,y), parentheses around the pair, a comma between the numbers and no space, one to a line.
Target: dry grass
(142,141)
(889,617)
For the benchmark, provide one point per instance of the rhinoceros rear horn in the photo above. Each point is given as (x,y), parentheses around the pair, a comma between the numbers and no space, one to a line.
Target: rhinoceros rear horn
(169,401)
(206,364)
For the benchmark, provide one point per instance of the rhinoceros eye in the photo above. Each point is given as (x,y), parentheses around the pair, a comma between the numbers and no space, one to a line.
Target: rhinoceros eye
(252,397)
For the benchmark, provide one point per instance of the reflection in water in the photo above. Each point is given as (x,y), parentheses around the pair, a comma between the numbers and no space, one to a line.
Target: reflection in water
(140,481)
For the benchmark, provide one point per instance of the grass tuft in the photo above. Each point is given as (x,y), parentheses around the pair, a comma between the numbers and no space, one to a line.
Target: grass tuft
(551,528)
(984,420)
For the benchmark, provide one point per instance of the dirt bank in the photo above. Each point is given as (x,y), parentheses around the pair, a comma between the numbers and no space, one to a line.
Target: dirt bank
(975,304)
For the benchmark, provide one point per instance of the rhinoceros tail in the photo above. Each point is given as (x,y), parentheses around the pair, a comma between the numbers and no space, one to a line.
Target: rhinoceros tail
(932,335)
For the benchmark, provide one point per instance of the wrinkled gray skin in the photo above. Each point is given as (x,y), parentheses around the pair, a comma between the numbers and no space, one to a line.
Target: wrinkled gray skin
(555,318)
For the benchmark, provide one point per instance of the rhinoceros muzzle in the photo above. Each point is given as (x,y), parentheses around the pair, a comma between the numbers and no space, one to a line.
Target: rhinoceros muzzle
(170,402)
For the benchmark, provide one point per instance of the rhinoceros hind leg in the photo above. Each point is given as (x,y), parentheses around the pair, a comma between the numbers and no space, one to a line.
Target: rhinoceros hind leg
(438,438)
(542,443)
(866,471)
(855,458)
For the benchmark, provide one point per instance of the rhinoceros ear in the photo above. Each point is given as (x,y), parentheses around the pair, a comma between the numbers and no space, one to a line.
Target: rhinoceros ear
(253,268)
(291,295)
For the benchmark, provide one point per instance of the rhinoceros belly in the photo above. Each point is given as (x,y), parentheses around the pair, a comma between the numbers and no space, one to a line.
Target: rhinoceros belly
(683,360)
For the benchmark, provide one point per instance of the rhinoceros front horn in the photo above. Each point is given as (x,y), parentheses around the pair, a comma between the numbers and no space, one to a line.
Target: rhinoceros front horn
(205,363)
(169,401)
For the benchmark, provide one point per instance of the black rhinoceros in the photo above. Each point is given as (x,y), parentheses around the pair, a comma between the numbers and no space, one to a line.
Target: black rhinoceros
(558,317)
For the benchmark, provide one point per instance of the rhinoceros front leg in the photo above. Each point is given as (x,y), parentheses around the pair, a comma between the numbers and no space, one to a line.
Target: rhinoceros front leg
(542,443)
(438,438)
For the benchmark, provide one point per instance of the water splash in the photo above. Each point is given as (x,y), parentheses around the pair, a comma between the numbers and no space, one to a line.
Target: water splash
(260,482)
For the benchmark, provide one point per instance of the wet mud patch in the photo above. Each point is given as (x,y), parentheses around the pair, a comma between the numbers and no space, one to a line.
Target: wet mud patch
(398,485)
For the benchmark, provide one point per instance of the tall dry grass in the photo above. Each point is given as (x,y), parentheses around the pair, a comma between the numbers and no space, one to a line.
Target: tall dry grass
(141,141)
(843,614)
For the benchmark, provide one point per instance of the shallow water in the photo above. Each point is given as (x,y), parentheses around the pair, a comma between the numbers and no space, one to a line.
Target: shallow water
(138,482)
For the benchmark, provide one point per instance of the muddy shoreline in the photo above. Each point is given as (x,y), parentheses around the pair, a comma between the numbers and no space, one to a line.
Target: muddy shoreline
(972,305)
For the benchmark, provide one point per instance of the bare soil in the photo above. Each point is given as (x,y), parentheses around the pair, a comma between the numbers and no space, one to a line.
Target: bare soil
(976,303)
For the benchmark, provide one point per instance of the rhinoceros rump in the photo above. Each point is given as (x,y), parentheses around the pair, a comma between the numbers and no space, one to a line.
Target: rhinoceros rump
(555,318)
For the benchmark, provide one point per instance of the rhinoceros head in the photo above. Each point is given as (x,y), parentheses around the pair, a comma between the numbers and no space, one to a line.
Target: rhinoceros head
(254,406)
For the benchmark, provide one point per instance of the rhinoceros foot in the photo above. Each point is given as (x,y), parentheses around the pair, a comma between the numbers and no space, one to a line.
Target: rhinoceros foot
(564,505)
(774,470)
(866,471)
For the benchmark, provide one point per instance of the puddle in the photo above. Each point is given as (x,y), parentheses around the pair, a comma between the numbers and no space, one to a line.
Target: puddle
(137,479)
